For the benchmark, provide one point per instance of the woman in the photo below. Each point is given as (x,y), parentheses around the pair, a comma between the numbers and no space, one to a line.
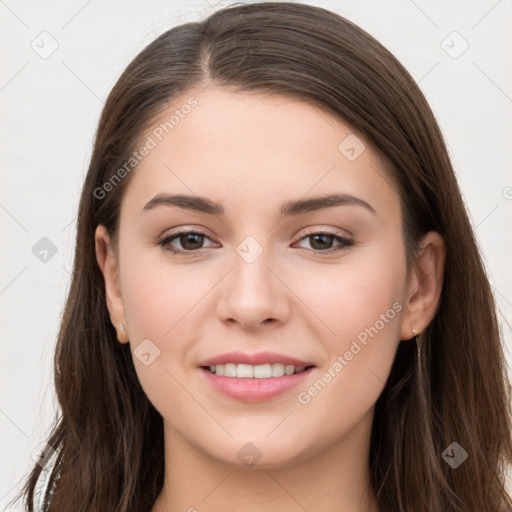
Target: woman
(257,368)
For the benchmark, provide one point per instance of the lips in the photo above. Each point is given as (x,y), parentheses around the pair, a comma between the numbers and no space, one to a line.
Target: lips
(272,374)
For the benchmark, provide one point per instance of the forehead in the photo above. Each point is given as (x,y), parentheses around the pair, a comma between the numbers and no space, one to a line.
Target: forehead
(249,150)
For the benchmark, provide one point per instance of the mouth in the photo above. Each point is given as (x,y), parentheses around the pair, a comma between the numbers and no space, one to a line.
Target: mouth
(254,377)
(254,383)
(260,371)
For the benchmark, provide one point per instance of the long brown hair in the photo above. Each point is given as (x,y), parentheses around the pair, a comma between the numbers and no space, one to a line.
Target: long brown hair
(109,438)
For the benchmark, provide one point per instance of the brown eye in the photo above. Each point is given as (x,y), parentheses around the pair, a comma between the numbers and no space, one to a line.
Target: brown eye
(190,242)
(322,243)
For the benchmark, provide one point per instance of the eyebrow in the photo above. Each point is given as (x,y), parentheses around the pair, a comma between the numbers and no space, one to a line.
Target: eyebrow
(293,207)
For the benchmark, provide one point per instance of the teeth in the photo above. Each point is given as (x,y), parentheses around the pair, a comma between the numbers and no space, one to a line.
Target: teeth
(277,370)
(260,371)
(230,370)
(245,371)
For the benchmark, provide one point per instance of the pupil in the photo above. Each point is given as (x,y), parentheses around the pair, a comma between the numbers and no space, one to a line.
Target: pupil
(315,237)
(190,238)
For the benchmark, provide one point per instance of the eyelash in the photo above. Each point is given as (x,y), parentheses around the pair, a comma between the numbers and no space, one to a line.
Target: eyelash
(164,242)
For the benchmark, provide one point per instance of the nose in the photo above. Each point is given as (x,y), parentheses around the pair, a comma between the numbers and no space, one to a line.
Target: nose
(253,295)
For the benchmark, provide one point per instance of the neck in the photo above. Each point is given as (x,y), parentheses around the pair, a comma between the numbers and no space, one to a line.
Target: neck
(335,479)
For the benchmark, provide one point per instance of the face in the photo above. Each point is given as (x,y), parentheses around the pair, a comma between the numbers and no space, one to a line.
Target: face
(315,290)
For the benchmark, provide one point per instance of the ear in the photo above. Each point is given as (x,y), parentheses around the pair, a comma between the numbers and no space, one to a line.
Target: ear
(424,286)
(108,263)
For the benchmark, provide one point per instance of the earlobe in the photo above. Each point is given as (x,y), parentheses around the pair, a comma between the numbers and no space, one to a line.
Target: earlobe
(108,263)
(425,285)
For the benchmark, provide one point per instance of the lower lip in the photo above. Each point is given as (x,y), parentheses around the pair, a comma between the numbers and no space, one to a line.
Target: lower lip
(255,390)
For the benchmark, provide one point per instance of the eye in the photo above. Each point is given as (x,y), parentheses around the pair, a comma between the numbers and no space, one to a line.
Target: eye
(189,240)
(322,242)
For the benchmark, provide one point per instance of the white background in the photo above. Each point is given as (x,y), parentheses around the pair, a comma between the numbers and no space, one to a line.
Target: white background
(49,112)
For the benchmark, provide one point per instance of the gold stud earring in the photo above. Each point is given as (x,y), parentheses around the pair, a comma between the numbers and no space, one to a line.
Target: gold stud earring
(122,335)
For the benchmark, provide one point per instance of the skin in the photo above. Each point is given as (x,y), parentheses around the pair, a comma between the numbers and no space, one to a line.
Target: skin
(252,153)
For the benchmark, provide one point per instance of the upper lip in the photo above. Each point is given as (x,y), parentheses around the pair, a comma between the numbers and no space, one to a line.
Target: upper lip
(254,359)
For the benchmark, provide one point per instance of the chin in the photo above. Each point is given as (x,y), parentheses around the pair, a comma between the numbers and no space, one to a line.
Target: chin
(259,453)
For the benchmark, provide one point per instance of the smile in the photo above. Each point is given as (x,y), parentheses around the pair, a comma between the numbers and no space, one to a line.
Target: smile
(261,371)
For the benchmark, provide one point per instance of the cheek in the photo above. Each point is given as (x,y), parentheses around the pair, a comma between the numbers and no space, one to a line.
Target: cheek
(159,297)
(161,303)
(362,308)
(166,303)
(361,291)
